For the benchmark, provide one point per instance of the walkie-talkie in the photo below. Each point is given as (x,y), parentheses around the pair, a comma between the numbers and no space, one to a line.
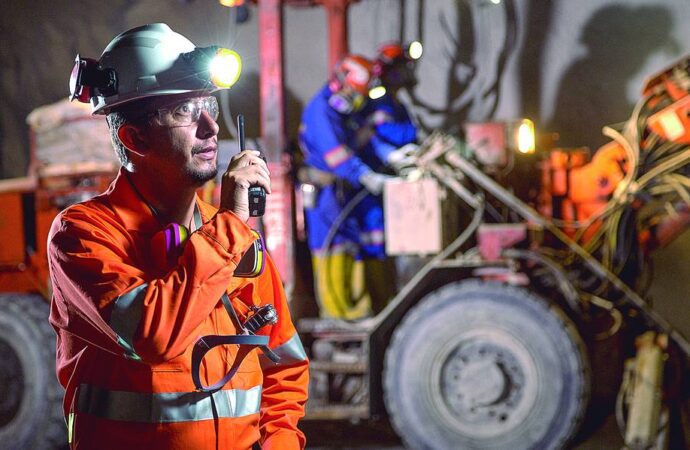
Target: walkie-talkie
(257,194)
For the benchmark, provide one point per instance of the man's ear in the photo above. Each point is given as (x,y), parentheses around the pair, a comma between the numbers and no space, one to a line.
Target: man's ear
(132,138)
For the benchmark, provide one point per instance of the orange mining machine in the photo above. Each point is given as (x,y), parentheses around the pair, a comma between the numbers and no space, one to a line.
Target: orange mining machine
(526,301)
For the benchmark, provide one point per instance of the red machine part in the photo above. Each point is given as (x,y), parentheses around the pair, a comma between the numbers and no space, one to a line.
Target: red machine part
(488,142)
(23,268)
(278,217)
(492,239)
(337,28)
(577,189)
(22,271)
(674,80)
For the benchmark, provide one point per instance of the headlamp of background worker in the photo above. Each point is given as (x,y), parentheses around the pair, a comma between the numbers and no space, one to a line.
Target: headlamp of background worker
(149,61)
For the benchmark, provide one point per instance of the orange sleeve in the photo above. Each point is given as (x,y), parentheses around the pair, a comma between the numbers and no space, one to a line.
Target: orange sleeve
(98,279)
(285,384)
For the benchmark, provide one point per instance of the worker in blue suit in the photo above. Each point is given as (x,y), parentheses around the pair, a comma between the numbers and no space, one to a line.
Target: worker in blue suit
(345,222)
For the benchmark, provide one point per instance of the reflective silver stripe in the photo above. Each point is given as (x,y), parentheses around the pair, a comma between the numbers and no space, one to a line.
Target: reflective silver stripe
(167,407)
(290,352)
(126,315)
(375,237)
(337,155)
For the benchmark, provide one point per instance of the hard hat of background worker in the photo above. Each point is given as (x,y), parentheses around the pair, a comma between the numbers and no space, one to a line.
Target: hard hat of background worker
(350,83)
(148,61)
(395,64)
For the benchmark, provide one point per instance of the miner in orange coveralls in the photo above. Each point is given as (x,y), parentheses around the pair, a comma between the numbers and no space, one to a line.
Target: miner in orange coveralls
(154,344)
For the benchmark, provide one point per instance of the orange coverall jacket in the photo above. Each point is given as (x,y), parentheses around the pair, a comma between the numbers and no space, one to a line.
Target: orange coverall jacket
(126,330)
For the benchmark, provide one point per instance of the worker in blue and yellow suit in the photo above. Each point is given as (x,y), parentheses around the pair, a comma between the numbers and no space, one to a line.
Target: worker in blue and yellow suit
(345,222)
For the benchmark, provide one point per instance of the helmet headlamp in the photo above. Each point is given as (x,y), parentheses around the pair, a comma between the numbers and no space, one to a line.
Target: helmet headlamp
(149,61)
(225,68)
(218,65)
(88,79)
(377,91)
(415,50)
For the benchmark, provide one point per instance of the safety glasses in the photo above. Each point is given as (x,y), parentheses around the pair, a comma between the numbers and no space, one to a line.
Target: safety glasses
(187,112)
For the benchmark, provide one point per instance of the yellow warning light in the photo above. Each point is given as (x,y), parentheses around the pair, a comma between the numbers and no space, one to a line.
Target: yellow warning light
(525,137)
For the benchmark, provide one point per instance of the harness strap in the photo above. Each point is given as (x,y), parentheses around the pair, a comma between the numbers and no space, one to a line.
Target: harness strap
(247,343)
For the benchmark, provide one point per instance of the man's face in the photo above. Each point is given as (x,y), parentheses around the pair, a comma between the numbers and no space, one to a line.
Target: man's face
(183,136)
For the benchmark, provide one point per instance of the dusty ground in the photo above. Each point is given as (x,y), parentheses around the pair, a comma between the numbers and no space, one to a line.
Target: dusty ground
(380,436)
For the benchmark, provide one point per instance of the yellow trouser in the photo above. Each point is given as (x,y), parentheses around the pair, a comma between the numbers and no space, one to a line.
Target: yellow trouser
(351,289)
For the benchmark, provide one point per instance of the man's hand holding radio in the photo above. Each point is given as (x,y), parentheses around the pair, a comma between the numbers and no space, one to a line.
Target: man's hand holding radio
(246,169)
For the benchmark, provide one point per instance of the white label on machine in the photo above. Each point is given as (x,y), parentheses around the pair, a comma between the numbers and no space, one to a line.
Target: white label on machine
(412,212)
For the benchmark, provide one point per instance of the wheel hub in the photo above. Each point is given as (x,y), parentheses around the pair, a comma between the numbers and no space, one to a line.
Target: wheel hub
(482,382)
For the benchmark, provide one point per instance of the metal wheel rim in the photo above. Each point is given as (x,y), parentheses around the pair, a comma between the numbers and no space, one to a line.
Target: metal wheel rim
(527,393)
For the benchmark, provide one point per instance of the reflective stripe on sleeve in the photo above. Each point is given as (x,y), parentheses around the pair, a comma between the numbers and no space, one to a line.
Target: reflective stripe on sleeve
(126,316)
(167,407)
(290,352)
(336,156)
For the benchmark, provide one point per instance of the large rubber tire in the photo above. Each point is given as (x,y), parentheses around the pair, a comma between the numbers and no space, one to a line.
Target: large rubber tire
(30,395)
(480,365)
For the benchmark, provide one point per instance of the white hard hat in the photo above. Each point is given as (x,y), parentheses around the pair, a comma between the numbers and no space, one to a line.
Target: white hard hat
(148,61)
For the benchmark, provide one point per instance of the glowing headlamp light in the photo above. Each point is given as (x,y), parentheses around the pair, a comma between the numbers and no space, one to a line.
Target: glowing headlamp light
(415,50)
(188,72)
(224,68)
(220,66)
(377,92)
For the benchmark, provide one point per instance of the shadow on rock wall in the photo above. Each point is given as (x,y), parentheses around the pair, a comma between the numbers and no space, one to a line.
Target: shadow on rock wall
(476,47)
(618,41)
(39,42)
